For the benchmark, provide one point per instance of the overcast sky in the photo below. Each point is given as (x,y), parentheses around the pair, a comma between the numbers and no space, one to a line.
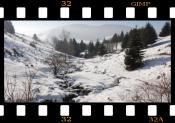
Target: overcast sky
(31,27)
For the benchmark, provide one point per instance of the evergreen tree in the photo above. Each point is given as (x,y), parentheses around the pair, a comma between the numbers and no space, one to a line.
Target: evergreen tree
(71,48)
(125,41)
(91,49)
(106,44)
(8,27)
(113,42)
(76,48)
(121,37)
(82,46)
(142,37)
(149,35)
(133,54)
(166,30)
(102,50)
(97,47)
(115,38)
(55,43)
(35,37)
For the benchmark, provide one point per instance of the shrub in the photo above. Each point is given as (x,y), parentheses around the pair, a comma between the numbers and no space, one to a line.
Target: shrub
(154,92)
(24,94)
(56,62)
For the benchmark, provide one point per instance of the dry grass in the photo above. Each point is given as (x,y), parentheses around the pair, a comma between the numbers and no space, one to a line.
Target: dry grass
(154,92)
(13,93)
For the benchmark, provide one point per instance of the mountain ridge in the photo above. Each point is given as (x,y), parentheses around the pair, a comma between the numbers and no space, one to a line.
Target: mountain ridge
(85,32)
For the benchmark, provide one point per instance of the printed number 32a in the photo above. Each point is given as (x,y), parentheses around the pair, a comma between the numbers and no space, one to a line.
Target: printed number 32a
(65,3)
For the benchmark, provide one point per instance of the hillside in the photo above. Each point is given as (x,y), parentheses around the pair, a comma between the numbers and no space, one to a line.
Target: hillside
(99,79)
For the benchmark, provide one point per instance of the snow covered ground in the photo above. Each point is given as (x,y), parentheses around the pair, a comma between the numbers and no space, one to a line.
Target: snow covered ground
(99,79)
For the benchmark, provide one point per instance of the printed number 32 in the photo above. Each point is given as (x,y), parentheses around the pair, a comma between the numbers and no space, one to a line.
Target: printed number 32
(65,119)
(65,3)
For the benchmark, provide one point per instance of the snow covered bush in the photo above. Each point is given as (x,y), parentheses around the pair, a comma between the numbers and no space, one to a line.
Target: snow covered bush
(159,91)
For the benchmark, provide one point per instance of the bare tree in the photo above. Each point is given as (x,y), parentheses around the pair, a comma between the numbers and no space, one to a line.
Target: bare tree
(27,85)
(65,37)
(9,88)
(56,62)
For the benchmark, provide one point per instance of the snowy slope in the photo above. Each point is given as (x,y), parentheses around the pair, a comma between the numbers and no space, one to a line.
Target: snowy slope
(109,71)
(100,79)
(30,59)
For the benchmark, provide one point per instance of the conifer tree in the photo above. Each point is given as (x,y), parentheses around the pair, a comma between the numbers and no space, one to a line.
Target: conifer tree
(91,49)
(8,27)
(97,47)
(76,47)
(166,30)
(71,48)
(125,41)
(133,54)
(121,37)
(82,46)
(35,37)
(149,35)
(102,50)
(114,38)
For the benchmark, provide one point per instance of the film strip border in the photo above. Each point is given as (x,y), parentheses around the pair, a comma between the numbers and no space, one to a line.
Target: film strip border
(87,13)
(45,110)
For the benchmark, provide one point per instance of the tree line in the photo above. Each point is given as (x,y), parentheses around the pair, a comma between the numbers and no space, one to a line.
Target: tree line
(147,35)
(133,42)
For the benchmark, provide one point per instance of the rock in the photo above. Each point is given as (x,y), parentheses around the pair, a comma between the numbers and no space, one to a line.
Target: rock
(109,99)
(36,90)
(117,80)
(60,76)
(104,72)
(84,92)
(51,88)
(58,82)
(38,83)
(95,66)
(69,97)
(158,77)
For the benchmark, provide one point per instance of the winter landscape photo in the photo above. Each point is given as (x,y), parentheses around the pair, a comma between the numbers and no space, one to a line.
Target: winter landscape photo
(87,61)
